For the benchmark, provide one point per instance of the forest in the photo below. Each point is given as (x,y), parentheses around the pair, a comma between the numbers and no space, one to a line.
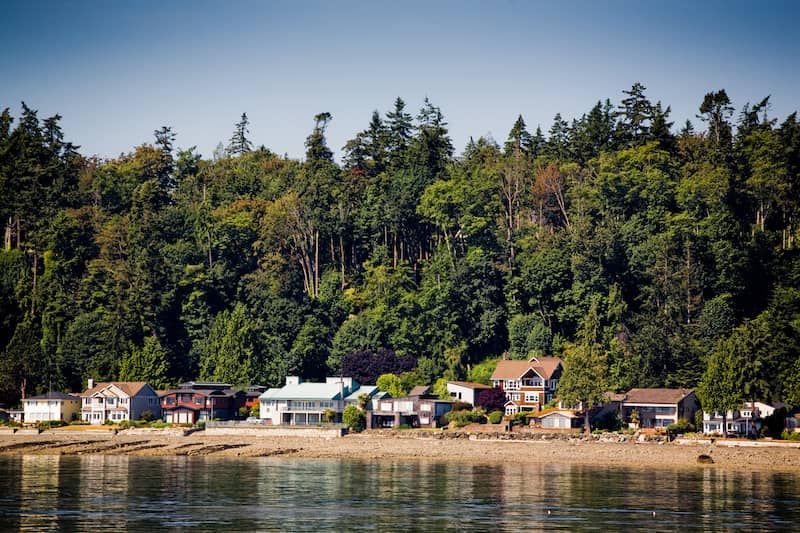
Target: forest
(644,254)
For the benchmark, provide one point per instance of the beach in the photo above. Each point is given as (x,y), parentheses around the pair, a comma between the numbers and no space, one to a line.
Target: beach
(411,445)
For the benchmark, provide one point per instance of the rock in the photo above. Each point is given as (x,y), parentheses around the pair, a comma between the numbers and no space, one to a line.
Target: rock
(704,459)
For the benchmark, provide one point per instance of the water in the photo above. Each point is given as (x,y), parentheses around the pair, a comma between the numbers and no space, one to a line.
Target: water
(122,493)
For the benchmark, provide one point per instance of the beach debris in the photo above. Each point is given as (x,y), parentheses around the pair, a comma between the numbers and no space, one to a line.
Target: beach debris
(704,459)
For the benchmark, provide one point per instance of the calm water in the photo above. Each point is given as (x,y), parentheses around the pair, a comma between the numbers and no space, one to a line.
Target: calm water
(118,493)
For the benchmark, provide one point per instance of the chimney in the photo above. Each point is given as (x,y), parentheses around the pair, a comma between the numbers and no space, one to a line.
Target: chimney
(90,384)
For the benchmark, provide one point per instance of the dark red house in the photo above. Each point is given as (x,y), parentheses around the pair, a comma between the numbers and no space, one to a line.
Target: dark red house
(196,402)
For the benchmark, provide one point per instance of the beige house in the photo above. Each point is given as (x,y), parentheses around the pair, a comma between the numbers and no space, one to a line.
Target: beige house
(51,406)
(118,401)
(656,408)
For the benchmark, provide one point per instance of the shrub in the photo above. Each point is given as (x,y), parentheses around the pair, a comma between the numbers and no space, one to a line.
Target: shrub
(521,418)
(790,435)
(50,424)
(147,416)
(493,399)
(495,417)
(458,405)
(403,426)
(680,427)
(124,424)
(354,418)
(459,418)
(159,424)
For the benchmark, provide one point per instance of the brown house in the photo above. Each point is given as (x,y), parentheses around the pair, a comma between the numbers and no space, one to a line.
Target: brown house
(528,385)
(196,402)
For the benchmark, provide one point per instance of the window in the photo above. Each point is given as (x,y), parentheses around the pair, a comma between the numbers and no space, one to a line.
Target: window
(198,400)
(532,397)
(532,382)
(515,396)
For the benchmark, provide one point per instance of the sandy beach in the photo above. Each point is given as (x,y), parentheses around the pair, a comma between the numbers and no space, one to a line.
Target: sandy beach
(411,445)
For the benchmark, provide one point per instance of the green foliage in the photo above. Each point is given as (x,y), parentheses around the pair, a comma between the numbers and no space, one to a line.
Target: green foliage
(633,251)
(393,385)
(482,372)
(354,418)
(495,417)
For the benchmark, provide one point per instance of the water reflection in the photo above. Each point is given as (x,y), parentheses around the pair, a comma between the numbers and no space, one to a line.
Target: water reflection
(92,493)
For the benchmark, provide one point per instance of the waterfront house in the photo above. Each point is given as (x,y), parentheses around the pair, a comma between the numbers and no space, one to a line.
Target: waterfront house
(742,421)
(366,394)
(656,408)
(419,408)
(466,391)
(117,401)
(194,402)
(306,403)
(558,418)
(528,385)
(51,406)
(251,395)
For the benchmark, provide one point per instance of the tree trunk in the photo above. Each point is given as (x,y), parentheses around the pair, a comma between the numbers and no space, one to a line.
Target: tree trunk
(7,241)
(341,258)
(587,427)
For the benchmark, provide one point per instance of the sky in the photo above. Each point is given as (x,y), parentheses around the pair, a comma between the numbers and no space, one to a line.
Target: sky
(118,70)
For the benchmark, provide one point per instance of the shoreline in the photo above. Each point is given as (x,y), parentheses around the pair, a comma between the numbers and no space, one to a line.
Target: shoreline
(410,446)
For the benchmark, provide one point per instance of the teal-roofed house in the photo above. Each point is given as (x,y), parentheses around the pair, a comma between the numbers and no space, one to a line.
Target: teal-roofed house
(304,403)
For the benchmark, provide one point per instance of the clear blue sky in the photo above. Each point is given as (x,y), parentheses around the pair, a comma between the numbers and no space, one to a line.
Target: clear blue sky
(117,70)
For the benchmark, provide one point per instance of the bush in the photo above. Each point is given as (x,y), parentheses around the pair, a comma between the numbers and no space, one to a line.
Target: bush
(521,418)
(790,435)
(50,424)
(354,418)
(458,405)
(495,417)
(403,426)
(459,418)
(493,399)
(680,427)
(147,416)
(158,424)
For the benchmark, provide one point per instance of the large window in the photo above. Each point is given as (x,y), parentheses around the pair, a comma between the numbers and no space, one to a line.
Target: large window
(532,397)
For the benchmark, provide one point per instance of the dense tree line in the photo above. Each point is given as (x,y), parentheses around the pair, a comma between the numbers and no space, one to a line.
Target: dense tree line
(646,255)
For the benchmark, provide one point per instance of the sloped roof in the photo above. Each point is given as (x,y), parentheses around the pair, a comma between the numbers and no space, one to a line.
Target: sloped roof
(54,396)
(469,384)
(369,390)
(664,396)
(131,388)
(515,369)
(419,390)
(303,391)
(546,366)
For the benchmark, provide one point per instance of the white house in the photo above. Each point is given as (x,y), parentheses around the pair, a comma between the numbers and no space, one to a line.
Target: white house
(656,408)
(465,391)
(51,406)
(117,401)
(742,421)
(301,403)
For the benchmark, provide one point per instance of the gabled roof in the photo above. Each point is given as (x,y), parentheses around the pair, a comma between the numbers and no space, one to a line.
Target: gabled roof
(54,396)
(469,384)
(663,396)
(545,367)
(130,388)
(369,390)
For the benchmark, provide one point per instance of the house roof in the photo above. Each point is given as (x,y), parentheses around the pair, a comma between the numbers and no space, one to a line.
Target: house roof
(469,384)
(55,396)
(568,413)
(664,396)
(131,388)
(369,390)
(419,390)
(515,369)
(304,391)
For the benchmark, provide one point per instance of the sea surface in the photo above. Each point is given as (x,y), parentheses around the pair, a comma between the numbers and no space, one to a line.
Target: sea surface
(121,493)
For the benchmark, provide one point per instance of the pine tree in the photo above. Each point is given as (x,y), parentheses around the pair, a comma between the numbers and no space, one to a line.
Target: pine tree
(239,143)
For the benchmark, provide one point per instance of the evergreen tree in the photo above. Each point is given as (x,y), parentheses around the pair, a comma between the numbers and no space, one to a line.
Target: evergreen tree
(239,144)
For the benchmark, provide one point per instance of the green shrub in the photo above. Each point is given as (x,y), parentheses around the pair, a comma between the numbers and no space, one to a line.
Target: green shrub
(680,427)
(158,424)
(461,418)
(790,435)
(354,418)
(403,426)
(147,416)
(50,424)
(125,424)
(495,417)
